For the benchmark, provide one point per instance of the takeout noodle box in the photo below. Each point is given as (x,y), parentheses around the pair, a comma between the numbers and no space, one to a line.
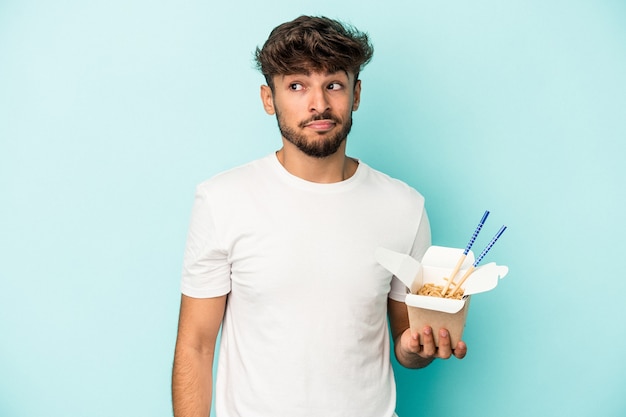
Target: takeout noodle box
(419,317)
(437,264)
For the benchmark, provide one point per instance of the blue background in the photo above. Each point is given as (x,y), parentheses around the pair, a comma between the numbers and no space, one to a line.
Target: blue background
(112,111)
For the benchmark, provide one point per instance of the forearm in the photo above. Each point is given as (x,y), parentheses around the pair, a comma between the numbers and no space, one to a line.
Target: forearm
(192,382)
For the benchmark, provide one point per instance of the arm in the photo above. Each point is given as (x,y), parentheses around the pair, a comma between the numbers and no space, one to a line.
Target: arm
(192,377)
(407,347)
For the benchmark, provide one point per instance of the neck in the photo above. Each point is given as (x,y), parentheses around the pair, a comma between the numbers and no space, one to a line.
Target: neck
(334,168)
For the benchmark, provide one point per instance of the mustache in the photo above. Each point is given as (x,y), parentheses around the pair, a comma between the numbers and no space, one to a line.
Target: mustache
(321,116)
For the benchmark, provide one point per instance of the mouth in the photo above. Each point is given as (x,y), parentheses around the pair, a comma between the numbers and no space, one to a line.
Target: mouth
(320,125)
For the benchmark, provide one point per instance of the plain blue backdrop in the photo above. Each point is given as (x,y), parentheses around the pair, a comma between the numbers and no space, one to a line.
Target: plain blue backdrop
(112,111)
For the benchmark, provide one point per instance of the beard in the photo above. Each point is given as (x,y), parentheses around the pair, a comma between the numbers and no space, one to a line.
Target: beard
(320,147)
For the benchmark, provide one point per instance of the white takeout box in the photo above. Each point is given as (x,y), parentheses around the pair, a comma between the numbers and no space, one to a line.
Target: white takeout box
(437,264)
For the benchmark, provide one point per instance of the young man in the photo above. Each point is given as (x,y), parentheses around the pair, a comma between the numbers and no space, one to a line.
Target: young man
(280,253)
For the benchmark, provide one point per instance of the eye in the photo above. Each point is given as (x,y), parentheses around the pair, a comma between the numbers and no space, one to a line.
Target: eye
(295,86)
(335,86)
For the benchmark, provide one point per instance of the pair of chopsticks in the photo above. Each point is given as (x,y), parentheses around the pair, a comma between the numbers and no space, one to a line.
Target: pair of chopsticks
(455,287)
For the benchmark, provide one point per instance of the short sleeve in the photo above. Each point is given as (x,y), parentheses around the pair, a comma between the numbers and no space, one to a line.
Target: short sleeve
(206,270)
(422,242)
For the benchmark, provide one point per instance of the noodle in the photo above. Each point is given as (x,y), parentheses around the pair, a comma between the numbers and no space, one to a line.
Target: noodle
(433,290)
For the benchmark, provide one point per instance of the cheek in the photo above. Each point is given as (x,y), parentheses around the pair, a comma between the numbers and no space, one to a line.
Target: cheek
(284,114)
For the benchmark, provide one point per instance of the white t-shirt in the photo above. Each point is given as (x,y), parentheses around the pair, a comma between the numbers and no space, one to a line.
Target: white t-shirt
(305,329)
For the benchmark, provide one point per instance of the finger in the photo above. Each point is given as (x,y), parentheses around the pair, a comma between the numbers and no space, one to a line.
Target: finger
(461,350)
(428,343)
(410,342)
(445,350)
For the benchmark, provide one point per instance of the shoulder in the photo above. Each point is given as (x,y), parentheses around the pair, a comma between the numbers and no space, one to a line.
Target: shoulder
(236,178)
(391,187)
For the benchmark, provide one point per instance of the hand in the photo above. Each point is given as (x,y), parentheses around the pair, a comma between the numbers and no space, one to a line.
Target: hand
(423,345)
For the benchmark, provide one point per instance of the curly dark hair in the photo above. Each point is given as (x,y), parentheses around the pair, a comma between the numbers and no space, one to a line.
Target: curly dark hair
(313,44)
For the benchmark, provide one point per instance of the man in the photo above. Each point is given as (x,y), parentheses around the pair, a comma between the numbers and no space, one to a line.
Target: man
(280,253)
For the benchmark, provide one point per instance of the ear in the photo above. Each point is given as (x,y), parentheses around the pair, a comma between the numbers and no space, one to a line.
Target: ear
(356,96)
(268,99)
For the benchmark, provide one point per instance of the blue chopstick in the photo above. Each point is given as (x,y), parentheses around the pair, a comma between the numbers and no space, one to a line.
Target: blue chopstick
(489,246)
(478,228)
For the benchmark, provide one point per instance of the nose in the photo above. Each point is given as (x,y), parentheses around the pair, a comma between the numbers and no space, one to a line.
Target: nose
(319,102)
